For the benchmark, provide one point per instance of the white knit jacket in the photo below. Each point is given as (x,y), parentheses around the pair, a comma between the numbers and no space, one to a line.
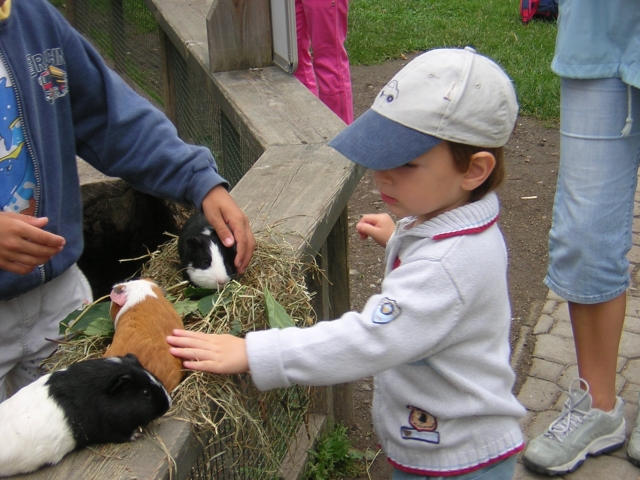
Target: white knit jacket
(436,340)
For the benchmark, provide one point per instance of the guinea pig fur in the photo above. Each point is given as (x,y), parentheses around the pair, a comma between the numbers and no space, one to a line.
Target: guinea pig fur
(143,318)
(93,401)
(207,263)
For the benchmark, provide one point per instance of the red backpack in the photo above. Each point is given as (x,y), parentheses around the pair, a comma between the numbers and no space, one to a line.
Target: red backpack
(546,9)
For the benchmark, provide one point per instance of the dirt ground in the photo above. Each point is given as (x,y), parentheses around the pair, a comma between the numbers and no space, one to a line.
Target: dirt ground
(526,199)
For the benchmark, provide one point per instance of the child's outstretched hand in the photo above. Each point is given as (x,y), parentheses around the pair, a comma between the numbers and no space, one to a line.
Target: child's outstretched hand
(208,352)
(379,226)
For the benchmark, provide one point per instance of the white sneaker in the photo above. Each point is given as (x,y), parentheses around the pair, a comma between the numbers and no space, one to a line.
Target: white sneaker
(579,431)
(633,449)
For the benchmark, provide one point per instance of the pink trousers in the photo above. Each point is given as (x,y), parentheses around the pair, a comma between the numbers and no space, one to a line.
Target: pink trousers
(323,64)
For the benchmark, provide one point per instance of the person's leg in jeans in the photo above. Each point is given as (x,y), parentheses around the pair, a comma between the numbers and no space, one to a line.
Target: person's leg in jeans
(589,239)
(502,470)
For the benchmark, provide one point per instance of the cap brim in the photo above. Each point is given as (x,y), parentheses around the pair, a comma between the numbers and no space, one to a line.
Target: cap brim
(378,143)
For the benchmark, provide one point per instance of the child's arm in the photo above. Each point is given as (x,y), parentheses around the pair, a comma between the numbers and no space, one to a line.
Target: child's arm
(209,352)
(379,226)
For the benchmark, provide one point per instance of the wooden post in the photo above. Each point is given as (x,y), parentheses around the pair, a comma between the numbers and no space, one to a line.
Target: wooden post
(339,302)
(239,35)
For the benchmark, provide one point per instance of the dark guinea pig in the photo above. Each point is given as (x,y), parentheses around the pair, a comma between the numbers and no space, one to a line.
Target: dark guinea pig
(93,401)
(207,263)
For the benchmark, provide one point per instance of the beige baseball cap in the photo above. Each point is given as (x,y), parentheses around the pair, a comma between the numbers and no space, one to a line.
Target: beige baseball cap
(452,94)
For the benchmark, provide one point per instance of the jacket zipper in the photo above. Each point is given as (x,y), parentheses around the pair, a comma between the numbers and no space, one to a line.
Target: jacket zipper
(27,141)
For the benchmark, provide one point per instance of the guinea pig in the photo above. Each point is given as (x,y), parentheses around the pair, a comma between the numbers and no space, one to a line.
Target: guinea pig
(207,263)
(143,318)
(92,401)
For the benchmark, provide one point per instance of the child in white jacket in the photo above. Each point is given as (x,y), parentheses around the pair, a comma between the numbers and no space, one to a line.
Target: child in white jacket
(436,338)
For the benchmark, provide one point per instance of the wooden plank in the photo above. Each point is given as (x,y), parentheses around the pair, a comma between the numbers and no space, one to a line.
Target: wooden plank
(275,106)
(299,191)
(306,438)
(239,34)
(167,452)
(185,24)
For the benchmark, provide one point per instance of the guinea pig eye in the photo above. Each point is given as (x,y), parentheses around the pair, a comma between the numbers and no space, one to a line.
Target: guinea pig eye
(146,392)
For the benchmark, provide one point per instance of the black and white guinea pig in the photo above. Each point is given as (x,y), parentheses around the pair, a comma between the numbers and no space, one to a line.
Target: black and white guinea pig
(93,401)
(207,263)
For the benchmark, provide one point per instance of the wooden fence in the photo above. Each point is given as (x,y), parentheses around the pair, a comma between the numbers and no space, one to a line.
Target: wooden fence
(294,184)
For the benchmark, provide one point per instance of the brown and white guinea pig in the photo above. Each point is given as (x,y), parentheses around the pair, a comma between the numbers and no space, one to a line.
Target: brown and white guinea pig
(143,317)
(94,401)
(207,263)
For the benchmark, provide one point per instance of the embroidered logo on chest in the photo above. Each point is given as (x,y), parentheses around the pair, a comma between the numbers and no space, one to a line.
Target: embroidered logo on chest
(47,68)
(386,311)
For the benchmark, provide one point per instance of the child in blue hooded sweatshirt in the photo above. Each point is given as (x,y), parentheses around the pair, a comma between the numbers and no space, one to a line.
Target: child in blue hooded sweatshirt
(59,100)
(436,338)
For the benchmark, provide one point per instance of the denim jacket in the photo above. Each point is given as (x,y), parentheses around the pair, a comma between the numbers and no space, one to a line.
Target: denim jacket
(72,104)
(598,39)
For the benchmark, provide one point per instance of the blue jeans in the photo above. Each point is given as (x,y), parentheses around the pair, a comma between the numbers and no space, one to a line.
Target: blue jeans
(498,471)
(593,208)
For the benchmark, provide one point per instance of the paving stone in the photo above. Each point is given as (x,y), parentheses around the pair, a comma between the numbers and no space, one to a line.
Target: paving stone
(631,371)
(604,467)
(549,306)
(630,345)
(561,313)
(631,323)
(537,394)
(544,325)
(545,370)
(555,349)
(562,329)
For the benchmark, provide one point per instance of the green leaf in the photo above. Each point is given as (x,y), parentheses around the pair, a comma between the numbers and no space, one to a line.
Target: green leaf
(79,321)
(99,327)
(276,314)
(236,328)
(197,292)
(185,307)
(205,304)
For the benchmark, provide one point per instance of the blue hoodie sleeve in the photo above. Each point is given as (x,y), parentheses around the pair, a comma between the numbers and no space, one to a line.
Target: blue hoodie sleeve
(123,135)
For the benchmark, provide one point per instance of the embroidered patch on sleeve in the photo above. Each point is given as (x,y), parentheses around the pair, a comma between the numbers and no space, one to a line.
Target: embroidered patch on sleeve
(386,311)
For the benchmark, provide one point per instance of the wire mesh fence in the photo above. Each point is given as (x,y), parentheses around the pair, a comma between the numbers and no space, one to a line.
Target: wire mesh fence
(126,34)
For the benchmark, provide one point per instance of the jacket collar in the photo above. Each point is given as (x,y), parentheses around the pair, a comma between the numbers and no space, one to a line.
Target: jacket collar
(465,220)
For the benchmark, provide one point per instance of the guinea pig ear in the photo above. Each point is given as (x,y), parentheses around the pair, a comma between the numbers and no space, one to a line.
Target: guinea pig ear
(119,383)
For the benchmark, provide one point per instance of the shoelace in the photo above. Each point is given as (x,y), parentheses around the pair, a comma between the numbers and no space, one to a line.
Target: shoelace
(571,416)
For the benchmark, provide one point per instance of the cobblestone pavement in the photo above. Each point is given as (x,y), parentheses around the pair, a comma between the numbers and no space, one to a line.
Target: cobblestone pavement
(553,366)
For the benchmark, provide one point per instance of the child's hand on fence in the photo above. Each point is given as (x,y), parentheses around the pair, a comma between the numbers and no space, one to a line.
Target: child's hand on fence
(208,352)
(379,226)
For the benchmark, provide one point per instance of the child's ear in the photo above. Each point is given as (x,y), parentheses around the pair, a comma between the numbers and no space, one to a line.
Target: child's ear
(480,167)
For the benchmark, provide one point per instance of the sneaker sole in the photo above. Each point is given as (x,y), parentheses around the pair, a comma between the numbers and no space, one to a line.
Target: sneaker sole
(599,446)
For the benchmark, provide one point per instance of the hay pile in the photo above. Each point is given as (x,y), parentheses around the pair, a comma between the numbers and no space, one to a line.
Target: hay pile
(213,402)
